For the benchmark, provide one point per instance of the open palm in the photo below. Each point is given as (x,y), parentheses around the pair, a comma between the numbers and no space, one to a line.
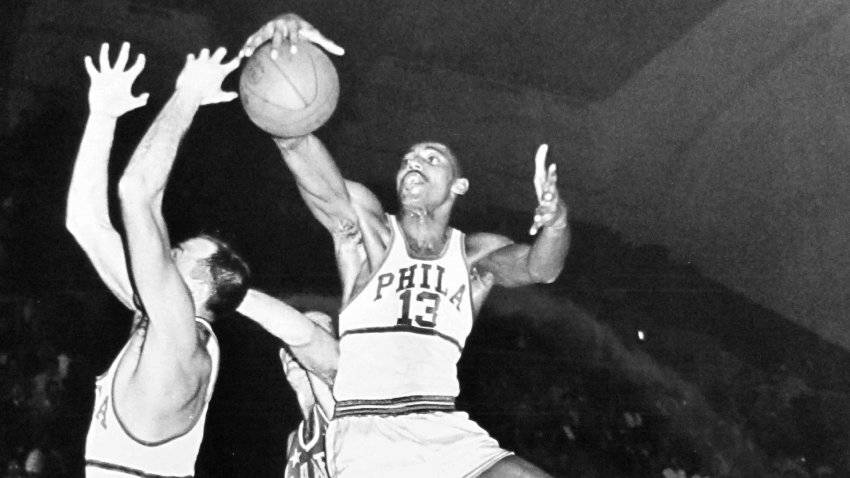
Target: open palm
(111,86)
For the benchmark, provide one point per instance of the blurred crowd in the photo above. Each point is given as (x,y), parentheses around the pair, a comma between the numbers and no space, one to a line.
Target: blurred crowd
(43,395)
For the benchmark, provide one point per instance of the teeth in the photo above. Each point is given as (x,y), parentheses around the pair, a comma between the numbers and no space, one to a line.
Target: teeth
(413,178)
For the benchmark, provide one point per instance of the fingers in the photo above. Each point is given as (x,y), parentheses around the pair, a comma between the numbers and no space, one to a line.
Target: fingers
(138,66)
(123,55)
(219,54)
(104,56)
(90,66)
(544,214)
(550,191)
(540,169)
(288,28)
(232,64)
(228,96)
(277,39)
(139,101)
(249,46)
(314,36)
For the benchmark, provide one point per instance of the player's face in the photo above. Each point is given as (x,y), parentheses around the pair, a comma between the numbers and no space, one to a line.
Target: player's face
(426,175)
(190,258)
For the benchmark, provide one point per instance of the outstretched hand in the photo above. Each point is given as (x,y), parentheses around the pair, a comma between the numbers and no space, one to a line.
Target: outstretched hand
(292,28)
(202,76)
(110,92)
(551,211)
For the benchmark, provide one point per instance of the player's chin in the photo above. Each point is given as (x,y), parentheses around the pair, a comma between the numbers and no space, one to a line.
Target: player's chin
(408,200)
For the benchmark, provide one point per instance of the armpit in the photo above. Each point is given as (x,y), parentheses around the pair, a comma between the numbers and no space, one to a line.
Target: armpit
(349,231)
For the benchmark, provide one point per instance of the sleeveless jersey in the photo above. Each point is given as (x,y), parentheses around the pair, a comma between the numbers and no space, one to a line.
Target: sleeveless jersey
(305,456)
(402,335)
(112,452)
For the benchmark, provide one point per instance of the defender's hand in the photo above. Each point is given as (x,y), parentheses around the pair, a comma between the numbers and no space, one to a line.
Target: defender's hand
(111,86)
(292,28)
(202,76)
(551,211)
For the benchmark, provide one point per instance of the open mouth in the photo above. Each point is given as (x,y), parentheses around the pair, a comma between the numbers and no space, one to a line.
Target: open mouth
(412,178)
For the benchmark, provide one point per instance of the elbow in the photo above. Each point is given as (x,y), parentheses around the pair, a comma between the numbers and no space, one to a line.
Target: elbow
(287,145)
(72,224)
(130,186)
(81,226)
(134,189)
(546,276)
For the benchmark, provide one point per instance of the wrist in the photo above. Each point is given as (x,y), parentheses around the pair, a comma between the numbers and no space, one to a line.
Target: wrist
(560,221)
(188,97)
(102,115)
(289,144)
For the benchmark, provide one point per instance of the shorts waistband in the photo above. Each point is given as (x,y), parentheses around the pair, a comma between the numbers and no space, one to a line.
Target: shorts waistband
(395,406)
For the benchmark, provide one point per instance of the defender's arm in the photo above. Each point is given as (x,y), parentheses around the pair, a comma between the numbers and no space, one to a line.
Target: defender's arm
(87,213)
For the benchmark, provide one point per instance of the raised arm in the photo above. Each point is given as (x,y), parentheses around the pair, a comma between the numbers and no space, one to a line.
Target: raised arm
(513,265)
(87,213)
(319,180)
(320,183)
(171,334)
(314,347)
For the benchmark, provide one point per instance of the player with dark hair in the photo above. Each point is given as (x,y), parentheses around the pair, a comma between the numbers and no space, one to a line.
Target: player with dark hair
(412,286)
(151,404)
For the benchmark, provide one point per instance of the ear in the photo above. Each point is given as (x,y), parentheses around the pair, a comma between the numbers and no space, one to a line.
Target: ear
(202,289)
(460,186)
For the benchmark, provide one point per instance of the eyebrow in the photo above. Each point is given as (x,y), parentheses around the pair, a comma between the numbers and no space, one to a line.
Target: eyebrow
(428,147)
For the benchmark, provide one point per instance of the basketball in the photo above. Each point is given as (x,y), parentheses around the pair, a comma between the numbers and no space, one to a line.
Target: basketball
(291,95)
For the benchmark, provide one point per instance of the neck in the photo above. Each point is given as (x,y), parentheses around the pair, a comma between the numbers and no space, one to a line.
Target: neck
(425,234)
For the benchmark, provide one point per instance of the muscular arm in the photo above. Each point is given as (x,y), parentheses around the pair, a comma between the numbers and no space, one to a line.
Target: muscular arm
(314,348)
(320,183)
(173,359)
(515,265)
(87,213)
(349,211)
(163,293)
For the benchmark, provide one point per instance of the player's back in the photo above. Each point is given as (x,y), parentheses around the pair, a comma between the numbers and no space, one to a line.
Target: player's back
(111,449)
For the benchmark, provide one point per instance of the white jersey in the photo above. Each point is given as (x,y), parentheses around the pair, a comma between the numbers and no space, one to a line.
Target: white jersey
(402,335)
(112,452)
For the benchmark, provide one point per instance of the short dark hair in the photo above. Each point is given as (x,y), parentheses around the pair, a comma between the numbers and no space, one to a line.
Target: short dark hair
(229,276)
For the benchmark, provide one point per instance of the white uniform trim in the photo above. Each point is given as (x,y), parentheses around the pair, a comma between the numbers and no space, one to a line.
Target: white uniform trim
(113,452)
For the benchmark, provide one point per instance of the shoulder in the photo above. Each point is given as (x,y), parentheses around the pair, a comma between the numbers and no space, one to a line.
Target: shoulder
(480,244)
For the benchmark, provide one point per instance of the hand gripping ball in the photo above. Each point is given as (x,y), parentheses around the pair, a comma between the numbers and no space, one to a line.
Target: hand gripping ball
(291,95)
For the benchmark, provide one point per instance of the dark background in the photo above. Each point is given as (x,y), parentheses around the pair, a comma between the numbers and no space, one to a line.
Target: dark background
(684,231)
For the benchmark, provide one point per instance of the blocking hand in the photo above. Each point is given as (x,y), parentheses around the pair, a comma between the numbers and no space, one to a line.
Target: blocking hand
(551,211)
(110,91)
(292,28)
(202,76)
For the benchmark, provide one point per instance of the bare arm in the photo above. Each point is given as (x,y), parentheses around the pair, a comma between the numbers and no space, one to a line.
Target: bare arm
(172,346)
(314,347)
(87,213)
(513,265)
(319,180)
(320,183)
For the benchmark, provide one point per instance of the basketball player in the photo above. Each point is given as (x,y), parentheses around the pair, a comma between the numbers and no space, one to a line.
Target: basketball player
(305,448)
(151,404)
(412,286)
